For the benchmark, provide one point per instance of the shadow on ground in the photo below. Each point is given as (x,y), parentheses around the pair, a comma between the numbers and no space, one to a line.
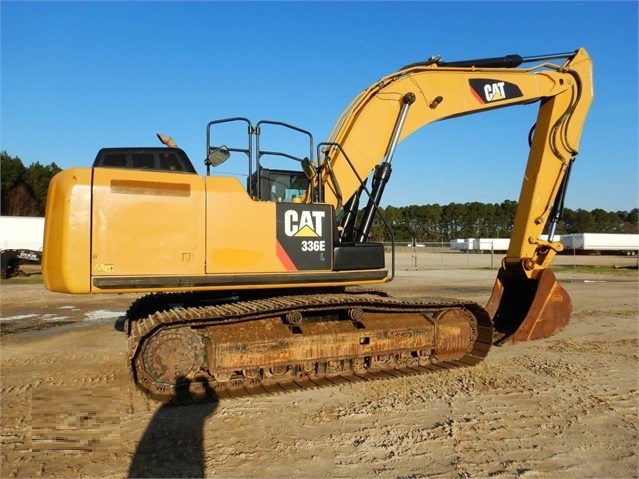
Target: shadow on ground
(173,443)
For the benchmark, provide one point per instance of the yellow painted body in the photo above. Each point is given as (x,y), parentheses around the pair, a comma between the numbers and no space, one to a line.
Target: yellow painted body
(146,230)
(240,231)
(157,218)
(66,257)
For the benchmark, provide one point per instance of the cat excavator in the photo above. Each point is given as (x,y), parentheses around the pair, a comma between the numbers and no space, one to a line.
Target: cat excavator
(268,286)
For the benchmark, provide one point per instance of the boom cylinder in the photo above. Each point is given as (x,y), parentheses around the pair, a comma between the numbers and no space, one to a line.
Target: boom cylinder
(383,171)
(350,215)
(380,178)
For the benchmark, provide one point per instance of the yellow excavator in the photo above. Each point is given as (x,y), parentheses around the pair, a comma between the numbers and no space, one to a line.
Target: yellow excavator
(268,286)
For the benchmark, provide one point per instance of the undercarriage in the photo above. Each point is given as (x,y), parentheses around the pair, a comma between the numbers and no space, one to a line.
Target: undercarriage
(198,347)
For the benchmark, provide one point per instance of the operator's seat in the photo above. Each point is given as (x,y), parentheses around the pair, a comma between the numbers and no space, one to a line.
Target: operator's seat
(278,192)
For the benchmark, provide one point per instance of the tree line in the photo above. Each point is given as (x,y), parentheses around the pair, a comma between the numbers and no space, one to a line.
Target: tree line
(24,189)
(434,222)
(24,193)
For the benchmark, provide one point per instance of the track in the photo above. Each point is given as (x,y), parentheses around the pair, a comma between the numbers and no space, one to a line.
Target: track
(186,351)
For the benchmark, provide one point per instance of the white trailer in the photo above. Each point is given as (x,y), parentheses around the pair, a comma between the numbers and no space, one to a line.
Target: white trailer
(21,232)
(491,244)
(459,244)
(581,243)
(601,243)
(480,244)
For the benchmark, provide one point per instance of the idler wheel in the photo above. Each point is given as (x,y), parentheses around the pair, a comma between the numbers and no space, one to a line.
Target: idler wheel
(172,355)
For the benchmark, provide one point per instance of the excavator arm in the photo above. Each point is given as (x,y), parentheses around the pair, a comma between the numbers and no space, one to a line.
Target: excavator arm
(527,302)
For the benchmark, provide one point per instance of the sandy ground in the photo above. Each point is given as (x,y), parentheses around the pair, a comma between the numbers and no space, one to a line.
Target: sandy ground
(567,406)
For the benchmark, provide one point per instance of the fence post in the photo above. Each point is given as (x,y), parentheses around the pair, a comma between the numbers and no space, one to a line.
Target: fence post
(414,255)
(492,255)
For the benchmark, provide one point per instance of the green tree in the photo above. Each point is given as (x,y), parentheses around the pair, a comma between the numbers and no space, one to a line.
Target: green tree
(432,221)
(506,214)
(20,201)
(630,220)
(13,171)
(24,190)
(605,222)
(429,223)
(38,178)
(579,221)
(451,221)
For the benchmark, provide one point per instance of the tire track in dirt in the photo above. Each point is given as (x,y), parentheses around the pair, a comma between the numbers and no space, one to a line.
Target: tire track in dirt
(548,404)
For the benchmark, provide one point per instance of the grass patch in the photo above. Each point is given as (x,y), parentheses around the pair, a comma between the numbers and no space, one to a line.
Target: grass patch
(18,280)
(625,270)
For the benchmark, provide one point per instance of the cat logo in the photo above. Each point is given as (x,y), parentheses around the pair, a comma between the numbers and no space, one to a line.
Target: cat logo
(494,92)
(489,91)
(304,236)
(303,224)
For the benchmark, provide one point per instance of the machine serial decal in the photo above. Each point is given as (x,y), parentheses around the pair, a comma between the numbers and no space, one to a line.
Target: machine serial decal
(489,91)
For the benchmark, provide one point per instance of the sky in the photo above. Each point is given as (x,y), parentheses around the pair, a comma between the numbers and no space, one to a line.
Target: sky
(80,76)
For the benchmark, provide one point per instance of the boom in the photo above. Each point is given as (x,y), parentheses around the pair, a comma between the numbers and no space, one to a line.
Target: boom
(367,132)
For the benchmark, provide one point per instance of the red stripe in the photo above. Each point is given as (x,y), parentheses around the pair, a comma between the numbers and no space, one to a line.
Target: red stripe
(478,96)
(284,258)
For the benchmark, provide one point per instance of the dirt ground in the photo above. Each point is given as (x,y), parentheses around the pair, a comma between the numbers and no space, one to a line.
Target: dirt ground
(567,406)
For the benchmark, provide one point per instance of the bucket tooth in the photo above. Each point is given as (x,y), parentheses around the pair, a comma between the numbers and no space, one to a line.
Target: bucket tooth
(523,309)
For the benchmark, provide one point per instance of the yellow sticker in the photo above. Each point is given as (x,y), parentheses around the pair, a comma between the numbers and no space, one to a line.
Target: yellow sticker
(104,268)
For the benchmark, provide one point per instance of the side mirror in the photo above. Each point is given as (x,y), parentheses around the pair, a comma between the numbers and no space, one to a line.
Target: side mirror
(217,155)
(308,169)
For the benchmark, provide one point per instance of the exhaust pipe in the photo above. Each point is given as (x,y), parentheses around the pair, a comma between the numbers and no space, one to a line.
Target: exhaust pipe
(167,140)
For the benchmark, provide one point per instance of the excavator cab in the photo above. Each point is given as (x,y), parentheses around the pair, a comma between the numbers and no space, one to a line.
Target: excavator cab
(349,251)
(278,185)
(265,184)
(144,158)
